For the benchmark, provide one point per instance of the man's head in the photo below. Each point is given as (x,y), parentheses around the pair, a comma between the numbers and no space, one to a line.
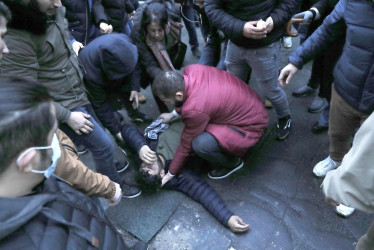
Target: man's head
(27,120)
(32,15)
(5,17)
(169,87)
(150,176)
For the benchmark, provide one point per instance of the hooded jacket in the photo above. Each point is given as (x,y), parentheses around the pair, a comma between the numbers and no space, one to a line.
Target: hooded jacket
(56,216)
(48,59)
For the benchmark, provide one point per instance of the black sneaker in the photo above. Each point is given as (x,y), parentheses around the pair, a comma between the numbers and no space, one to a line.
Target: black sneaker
(140,117)
(121,166)
(220,173)
(283,128)
(81,149)
(130,191)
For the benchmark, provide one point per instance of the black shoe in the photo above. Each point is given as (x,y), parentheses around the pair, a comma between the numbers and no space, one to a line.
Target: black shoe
(121,166)
(303,91)
(220,173)
(317,128)
(81,149)
(283,128)
(140,117)
(130,191)
(196,53)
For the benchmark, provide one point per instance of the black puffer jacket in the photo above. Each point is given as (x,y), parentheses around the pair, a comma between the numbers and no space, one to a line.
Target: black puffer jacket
(81,19)
(56,217)
(231,15)
(117,12)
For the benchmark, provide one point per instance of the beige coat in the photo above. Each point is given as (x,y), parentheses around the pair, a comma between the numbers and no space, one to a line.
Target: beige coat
(352,184)
(73,171)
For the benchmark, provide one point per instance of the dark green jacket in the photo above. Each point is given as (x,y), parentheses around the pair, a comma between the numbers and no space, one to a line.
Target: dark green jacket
(50,60)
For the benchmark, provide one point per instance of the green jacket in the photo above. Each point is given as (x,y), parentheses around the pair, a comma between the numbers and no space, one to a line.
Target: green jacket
(50,60)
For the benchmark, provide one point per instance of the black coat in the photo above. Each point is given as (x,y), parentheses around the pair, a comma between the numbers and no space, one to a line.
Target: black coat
(81,20)
(117,12)
(56,217)
(231,15)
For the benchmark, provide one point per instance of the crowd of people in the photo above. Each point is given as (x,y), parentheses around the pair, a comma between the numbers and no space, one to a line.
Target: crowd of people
(67,67)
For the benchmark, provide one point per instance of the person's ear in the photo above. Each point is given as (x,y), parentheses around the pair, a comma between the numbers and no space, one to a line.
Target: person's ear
(26,162)
(162,173)
(179,96)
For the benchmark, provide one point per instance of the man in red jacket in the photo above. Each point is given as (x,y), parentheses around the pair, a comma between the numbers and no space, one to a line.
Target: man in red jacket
(223,116)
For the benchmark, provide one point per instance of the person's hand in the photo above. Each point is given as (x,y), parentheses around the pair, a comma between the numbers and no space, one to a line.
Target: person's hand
(105,28)
(77,46)
(332,202)
(165,179)
(79,122)
(286,74)
(147,155)
(306,15)
(250,30)
(134,99)
(166,117)
(117,196)
(269,24)
(237,225)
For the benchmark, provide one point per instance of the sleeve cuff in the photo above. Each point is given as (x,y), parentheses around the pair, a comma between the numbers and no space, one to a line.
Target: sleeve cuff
(318,15)
(171,175)
(175,113)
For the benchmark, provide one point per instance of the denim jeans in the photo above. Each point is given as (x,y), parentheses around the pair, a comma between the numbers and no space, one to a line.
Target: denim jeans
(265,64)
(324,117)
(207,147)
(98,142)
(189,12)
(212,55)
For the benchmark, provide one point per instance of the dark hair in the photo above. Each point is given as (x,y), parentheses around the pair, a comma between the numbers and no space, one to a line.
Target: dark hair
(155,12)
(5,12)
(25,117)
(148,183)
(167,84)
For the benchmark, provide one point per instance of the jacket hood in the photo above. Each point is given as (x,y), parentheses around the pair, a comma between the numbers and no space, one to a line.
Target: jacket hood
(113,55)
(15,212)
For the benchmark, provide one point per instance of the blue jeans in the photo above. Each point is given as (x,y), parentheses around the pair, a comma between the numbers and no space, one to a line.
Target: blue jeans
(212,55)
(189,12)
(324,117)
(265,64)
(207,147)
(98,142)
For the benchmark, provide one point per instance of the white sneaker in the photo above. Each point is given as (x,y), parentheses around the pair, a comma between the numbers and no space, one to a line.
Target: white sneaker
(322,167)
(344,210)
(287,42)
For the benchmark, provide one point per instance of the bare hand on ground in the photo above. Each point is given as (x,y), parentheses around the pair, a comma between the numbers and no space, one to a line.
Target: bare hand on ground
(166,117)
(79,122)
(237,225)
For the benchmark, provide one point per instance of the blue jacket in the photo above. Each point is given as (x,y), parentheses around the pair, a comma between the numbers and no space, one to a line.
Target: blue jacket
(354,72)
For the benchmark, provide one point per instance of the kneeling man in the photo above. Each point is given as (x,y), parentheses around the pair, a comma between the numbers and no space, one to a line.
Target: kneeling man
(223,116)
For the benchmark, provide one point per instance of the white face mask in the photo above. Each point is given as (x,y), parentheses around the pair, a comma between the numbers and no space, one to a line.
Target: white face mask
(55,146)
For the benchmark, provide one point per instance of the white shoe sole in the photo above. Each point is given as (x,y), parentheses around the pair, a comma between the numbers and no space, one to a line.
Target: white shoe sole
(132,196)
(229,173)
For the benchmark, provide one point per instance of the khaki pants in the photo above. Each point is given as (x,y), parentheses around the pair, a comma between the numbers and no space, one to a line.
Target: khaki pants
(344,119)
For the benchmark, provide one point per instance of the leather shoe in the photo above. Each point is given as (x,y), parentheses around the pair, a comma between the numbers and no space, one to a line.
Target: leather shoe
(303,91)
(318,128)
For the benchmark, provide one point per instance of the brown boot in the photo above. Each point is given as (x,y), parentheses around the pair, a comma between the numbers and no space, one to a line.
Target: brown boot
(141,98)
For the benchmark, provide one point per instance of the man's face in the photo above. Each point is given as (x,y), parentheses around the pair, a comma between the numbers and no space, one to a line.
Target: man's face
(48,7)
(3,31)
(171,101)
(151,169)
